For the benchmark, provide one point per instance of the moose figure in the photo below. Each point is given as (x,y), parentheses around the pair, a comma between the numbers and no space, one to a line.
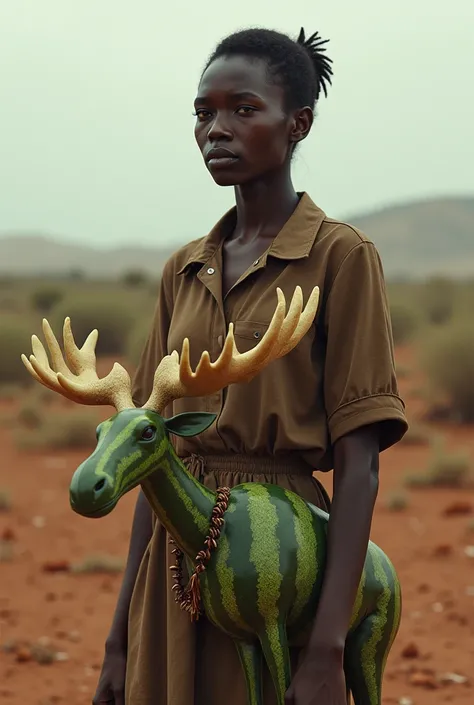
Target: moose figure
(255,553)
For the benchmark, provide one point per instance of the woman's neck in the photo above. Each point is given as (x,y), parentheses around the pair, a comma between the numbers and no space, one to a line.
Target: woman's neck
(264,207)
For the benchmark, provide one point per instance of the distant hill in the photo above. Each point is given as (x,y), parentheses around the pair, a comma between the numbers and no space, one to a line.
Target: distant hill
(424,238)
(414,239)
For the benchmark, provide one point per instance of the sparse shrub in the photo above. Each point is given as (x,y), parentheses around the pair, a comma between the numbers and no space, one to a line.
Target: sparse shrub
(30,415)
(9,392)
(113,318)
(15,339)
(397,502)
(403,371)
(46,298)
(136,343)
(5,500)
(74,429)
(100,564)
(404,322)
(417,435)
(134,279)
(438,300)
(449,363)
(445,469)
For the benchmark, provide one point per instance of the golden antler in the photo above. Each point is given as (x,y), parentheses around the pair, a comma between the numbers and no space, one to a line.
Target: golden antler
(174,377)
(77,380)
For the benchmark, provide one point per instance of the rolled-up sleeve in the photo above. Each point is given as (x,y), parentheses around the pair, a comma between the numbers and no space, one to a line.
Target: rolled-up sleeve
(360,384)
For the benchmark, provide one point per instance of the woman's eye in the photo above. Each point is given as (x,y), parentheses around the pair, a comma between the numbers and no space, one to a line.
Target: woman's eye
(201,114)
(245,110)
(148,433)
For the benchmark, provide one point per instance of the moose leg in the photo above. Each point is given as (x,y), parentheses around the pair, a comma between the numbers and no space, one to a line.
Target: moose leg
(277,656)
(367,650)
(250,655)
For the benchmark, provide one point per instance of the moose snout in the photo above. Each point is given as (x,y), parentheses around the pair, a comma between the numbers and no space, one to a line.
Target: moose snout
(91,493)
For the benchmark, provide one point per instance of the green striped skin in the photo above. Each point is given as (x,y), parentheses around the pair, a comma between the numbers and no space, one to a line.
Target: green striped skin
(262,583)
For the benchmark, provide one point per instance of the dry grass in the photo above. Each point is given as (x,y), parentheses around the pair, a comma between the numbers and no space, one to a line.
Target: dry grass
(445,469)
(99,564)
(397,501)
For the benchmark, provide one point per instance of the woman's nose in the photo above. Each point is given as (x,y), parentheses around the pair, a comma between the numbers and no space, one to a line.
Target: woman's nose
(219,129)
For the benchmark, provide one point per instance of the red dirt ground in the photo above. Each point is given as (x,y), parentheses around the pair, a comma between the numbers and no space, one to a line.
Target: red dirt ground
(71,613)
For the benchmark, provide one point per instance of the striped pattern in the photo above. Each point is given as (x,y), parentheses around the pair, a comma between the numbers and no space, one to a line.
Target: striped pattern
(266,574)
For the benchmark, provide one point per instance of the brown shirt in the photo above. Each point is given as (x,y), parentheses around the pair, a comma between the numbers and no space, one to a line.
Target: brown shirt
(341,376)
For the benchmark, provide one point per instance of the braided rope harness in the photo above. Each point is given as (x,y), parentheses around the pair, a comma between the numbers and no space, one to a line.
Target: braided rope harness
(189,597)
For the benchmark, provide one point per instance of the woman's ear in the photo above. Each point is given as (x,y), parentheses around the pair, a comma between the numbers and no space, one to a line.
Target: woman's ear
(302,123)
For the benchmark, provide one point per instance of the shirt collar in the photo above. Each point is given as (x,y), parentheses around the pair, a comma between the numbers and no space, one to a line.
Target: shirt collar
(294,241)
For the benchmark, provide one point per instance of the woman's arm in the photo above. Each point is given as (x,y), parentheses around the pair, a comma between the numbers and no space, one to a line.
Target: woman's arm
(356,465)
(320,676)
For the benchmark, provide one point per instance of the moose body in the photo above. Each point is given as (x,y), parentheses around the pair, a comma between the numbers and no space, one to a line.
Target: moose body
(263,583)
(263,577)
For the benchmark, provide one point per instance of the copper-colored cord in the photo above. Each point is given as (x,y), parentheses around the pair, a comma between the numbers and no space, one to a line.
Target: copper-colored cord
(189,598)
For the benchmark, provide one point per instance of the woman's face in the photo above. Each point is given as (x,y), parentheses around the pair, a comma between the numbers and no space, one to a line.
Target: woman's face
(242,128)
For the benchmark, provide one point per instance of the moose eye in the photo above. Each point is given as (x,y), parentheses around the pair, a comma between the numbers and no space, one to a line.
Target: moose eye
(148,433)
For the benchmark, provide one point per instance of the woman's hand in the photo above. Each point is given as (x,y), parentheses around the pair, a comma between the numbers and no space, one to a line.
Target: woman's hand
(111,686)
(319,680)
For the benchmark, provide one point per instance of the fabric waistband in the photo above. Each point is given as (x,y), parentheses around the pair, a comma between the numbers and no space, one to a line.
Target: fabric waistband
(250,464)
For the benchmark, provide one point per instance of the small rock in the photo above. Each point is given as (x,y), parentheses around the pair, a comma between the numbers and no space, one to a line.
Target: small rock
(442,550)
(423,680)
(437,607)
(411,650)
(458,508)
(469,551)
(38,522)
(61,566)
(62,656)
(8,534)
(23,655)
(405,701)
(452,678)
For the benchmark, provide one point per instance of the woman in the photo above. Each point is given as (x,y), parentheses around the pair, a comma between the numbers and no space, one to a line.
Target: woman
(332,403)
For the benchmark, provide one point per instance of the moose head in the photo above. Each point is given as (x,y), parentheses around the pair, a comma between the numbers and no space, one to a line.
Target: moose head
(135,442)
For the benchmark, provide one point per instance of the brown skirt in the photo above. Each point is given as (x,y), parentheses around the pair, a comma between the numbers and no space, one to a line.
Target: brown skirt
(170,660)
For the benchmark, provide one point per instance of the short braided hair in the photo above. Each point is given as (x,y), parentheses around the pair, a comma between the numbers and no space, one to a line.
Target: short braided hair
(300,66)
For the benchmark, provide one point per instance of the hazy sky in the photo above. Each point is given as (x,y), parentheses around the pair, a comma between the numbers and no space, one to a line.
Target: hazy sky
(96,140)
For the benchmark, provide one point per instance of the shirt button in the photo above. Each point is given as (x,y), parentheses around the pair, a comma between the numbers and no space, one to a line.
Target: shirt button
(211,270)
(256,262)
(220,340)
(256,334)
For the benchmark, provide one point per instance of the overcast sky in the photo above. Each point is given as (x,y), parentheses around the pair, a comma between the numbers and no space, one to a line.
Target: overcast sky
(96,100)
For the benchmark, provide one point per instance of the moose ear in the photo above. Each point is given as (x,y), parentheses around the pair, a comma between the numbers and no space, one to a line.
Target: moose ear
(189,423)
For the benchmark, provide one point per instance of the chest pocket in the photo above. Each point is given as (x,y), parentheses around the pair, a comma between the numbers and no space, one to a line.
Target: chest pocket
(248,334)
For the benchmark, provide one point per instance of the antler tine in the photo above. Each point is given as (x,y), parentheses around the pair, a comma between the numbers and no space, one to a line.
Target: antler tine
(174,377)
(81,384)
(301,322)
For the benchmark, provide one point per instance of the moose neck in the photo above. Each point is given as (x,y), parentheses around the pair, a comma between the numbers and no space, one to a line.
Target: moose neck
(182,504)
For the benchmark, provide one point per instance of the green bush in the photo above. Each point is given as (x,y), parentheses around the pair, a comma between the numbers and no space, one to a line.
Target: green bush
(60,431)
(449,363)
(404,322)
(135,278)
(46,298)
(113,318)
(445,469)
(15,339)
(136,343)
(438,300)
